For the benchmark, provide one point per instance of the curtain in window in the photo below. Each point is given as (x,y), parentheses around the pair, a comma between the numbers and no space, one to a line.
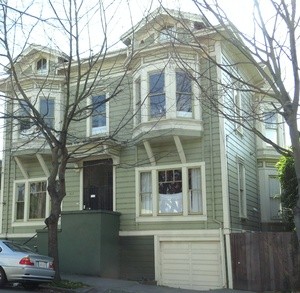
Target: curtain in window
(170,203)
(195,190)
(20,197)
(37,204)
(146,193)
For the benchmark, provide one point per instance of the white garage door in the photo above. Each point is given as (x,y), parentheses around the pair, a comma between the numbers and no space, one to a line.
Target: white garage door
(191,264)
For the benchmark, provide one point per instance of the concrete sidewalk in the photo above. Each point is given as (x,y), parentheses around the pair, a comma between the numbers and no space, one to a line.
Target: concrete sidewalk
(103,285)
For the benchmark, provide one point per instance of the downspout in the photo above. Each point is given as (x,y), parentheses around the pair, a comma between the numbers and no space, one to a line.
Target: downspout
(8,180)
(224,178)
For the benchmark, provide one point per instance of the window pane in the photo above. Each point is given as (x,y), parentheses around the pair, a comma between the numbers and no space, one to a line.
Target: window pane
(271,126)
(37,200)
(183,93)
(146,193)
(195,194)
(275,203)
(242,191)
(157,95)
(170,191)
(24,112)
(20,190)
(157,83)
(47,111)
(41,65)
(98,113)
(138,100)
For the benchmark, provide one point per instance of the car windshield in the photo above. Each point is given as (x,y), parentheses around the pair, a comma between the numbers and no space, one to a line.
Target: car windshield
(17,247)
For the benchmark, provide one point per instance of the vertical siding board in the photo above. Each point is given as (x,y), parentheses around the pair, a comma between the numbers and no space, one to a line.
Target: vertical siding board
(270,260)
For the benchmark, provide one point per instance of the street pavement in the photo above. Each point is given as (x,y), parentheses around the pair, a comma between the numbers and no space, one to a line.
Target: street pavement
(102,285)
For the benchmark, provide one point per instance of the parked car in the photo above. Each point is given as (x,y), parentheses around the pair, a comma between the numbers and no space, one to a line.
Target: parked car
(19,264)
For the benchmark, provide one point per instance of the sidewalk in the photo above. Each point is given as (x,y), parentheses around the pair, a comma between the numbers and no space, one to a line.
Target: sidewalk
(102,285)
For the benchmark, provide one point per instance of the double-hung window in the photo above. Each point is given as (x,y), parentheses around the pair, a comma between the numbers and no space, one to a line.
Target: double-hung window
(271,126)
(237,108)
(24,120)
(242,196)
(30,200)
(41,66)
(274,195)
(166,192)
(47,111)
(99,114)
(183,94)
(157,94)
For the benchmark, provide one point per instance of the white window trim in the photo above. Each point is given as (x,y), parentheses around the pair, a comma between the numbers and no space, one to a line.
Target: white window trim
(102,129)
(276,129)
(155,217)
(242,208)
(26,221)
(170,69)
(42,71)
(238,109)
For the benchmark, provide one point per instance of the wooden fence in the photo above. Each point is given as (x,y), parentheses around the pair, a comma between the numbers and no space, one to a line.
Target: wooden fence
(265,261)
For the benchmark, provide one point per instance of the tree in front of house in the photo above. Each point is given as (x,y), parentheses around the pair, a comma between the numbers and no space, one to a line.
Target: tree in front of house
(289,188)
(271,51)
(48,93)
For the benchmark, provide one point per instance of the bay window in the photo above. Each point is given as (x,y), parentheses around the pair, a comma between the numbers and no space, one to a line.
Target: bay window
(163,193)
(162,91)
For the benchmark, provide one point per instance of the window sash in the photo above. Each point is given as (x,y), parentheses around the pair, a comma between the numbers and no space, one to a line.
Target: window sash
(242,190)
(170,191)
(20,201)
(157,95)
(195,192)
(24,121)
(37,200)
(98,116)
(145,193)
(183,95)
(275,202)
(138,101)
(41,65)
(47,111)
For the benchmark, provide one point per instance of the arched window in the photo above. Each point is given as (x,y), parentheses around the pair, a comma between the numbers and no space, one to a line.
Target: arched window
(41,66)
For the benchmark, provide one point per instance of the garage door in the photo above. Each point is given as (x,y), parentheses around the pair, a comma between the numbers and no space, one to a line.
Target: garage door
(191,264)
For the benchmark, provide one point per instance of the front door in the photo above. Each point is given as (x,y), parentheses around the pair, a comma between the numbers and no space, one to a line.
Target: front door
(98,185)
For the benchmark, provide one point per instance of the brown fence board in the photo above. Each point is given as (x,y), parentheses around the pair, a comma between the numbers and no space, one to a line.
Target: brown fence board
(265,261)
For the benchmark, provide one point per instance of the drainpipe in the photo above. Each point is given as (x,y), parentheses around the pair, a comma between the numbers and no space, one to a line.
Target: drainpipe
(224,172)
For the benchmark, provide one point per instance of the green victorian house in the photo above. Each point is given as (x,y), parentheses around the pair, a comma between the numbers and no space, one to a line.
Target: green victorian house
(159,200)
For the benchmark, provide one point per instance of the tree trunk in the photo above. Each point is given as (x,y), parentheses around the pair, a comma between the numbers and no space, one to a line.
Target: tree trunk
(294,135)
(52,224)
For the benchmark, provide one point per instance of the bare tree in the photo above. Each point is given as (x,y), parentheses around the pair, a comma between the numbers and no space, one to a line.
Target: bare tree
(81,73)
(272,51)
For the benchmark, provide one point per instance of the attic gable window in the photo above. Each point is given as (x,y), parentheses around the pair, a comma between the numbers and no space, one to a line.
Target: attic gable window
(41,66)
(167,34)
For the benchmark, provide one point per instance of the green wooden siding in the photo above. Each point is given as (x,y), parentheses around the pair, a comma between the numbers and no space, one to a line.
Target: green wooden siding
(137,258)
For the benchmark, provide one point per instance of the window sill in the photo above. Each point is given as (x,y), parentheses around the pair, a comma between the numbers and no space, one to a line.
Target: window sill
(190,218)
(28,223)
(168,127)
